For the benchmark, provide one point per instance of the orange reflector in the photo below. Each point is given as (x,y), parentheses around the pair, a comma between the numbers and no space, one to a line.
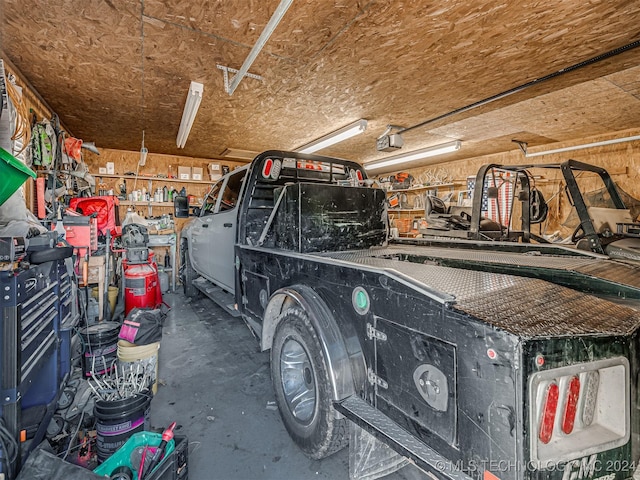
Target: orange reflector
(571,405)
(549,413)
(490,476)
(23,436)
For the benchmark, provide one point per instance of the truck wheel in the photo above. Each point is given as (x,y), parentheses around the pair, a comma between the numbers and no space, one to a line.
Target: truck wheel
(188,276)
(302,387)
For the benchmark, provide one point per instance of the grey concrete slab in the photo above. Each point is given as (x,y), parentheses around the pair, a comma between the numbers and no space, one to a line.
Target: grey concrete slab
(215,383)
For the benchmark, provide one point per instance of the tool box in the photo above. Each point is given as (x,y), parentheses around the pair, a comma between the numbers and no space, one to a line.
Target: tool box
(173,467)
(80,231)
(11,249)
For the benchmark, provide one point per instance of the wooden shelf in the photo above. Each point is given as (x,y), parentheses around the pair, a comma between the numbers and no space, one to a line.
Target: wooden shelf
(154,204)
(405,210)
(154,179)
(423,188)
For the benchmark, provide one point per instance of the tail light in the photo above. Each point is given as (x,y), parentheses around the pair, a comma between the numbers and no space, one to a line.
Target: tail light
(266,168)
(549,412)
(579,410)
(571,405)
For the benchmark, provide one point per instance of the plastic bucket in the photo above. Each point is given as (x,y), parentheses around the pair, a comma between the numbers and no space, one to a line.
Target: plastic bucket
(112,294)
(145,356)
(13,173)
(100,345)
(117,420)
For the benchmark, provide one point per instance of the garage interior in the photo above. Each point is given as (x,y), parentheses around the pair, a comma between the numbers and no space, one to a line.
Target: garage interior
(110,175)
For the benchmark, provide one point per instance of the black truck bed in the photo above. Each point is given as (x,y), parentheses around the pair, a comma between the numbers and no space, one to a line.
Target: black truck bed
(503,300)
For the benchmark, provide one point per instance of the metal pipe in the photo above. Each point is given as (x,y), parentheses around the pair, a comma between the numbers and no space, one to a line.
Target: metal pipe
(262,40)
(506,93)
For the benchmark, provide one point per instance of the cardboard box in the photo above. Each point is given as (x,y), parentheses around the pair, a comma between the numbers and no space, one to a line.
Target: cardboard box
(111,168)
(196,173)
(184,173)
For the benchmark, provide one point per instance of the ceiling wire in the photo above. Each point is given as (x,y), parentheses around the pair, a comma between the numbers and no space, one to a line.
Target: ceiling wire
(142,63)
(511,91)
(142,116)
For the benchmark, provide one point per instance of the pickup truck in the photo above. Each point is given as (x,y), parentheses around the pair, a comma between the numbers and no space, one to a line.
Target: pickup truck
(481,372)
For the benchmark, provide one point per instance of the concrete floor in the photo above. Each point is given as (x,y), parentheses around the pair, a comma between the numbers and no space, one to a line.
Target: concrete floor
(215,383)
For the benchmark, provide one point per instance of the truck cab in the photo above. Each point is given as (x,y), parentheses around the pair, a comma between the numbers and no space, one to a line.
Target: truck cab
(209,238)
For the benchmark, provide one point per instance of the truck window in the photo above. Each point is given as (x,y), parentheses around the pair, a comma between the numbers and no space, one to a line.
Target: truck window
(231,191)
(209,203)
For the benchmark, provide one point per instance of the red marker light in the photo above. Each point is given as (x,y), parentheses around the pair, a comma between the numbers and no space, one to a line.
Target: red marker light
(571,405)
(549,413)
(539,360)
(491,353)
(359,175)
(266,169)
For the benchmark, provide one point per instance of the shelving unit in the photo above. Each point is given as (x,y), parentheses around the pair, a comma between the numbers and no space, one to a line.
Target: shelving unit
(145,177)
(150,180)
(403,218)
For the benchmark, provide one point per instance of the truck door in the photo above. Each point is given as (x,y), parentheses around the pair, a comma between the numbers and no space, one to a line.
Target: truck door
(215,234)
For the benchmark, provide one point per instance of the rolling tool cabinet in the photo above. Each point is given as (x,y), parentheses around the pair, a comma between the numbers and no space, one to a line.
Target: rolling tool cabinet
(35,302)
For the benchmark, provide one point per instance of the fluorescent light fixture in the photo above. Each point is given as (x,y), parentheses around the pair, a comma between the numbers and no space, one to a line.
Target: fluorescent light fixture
(523,146)
(414,155)
(194,97)
(349,131)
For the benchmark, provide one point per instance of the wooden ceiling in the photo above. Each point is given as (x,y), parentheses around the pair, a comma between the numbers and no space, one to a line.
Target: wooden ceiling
(111,68)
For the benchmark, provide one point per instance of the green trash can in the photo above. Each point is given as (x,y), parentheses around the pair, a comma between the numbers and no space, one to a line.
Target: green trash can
(13,173)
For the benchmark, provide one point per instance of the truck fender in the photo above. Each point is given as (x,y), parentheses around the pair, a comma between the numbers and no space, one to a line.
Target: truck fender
(345,370)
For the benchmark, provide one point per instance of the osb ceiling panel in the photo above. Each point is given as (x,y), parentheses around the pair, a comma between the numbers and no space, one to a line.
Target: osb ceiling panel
(111,68)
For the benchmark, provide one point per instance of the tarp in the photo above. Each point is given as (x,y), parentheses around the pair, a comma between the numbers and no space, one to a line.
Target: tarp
(106,210)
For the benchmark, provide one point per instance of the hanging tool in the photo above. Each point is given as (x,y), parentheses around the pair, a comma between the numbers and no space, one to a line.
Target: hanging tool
(159,453)
(106,312)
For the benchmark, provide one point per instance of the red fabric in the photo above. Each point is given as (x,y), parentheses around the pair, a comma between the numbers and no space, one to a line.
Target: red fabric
(106,210)
(72,147)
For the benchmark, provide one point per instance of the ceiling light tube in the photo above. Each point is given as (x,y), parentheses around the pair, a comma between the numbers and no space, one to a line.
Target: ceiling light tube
(194,97)
(349,131)
(577,147)
(414,155)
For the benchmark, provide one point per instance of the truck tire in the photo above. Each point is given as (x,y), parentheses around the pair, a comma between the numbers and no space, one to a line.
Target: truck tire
(302,387)
(188,276)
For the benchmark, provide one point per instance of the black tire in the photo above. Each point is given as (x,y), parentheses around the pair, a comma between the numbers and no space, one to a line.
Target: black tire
(188,276)
(309,417)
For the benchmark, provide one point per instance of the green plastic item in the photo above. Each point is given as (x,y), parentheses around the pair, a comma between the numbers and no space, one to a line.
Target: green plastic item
(13,174)
(122,456)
